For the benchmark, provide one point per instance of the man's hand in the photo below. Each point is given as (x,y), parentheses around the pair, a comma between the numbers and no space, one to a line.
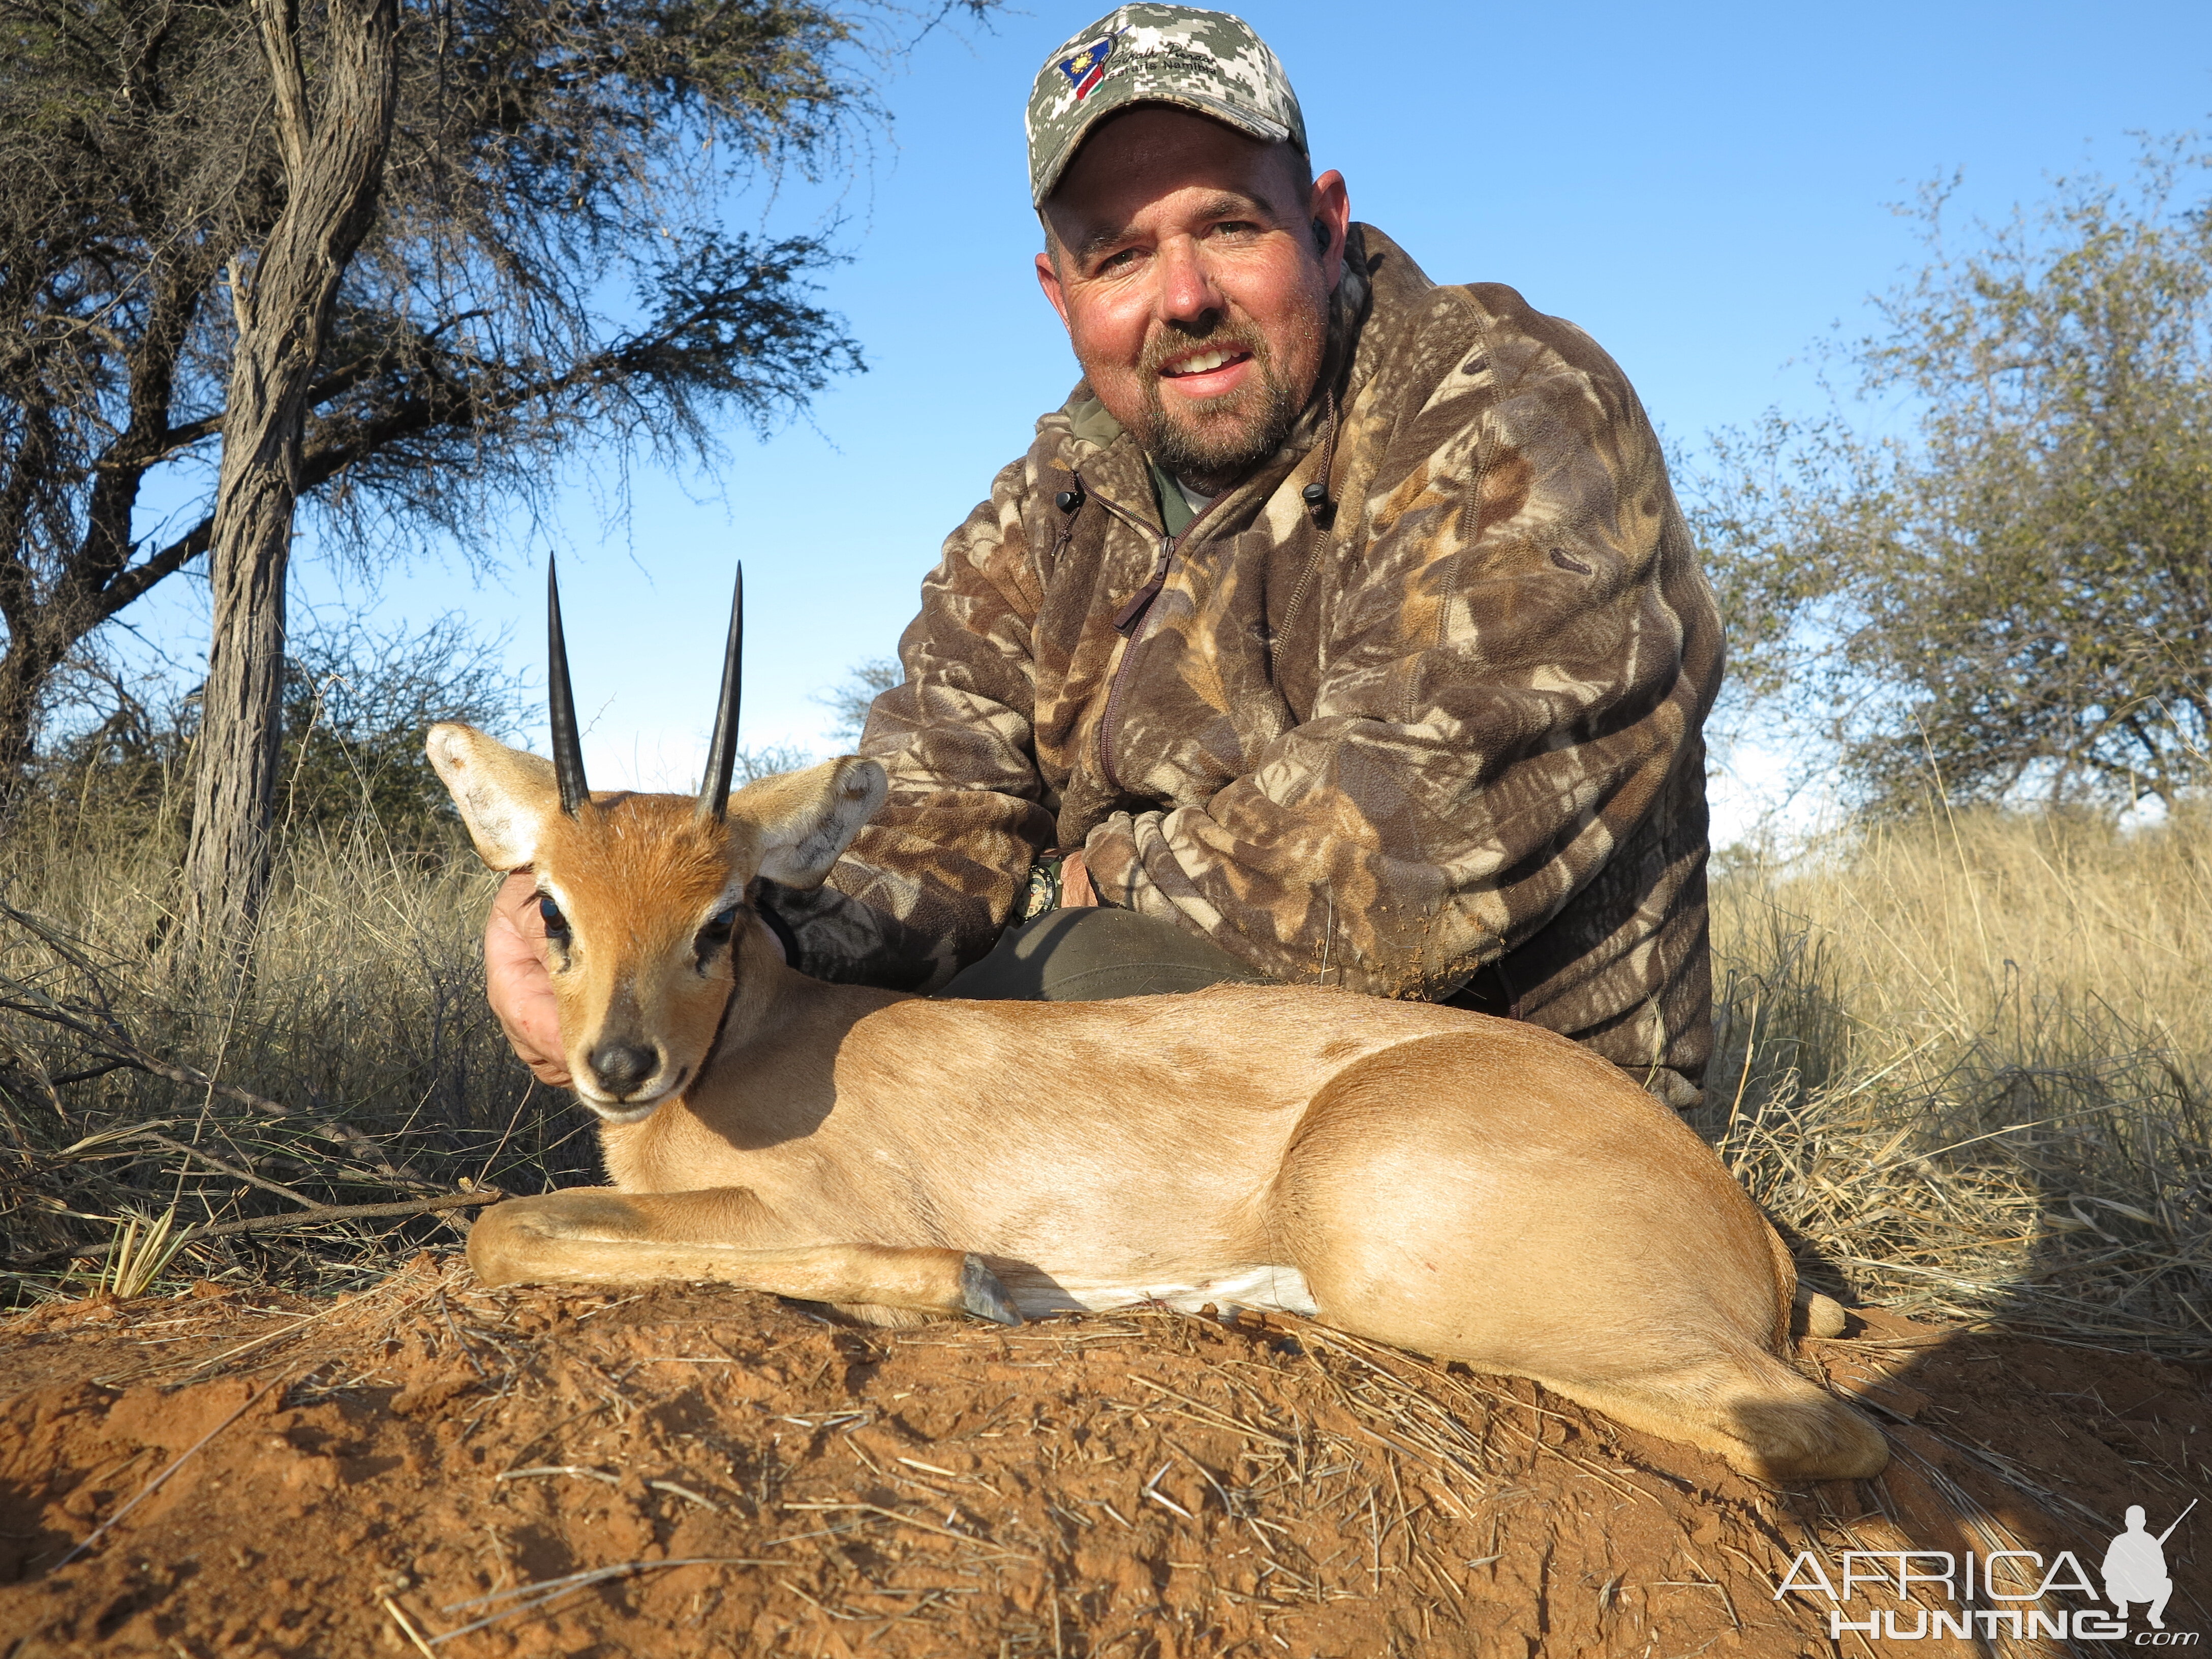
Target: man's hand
(1075,892)
(516,982)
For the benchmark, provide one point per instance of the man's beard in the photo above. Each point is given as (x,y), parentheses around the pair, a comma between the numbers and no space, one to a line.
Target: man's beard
(1216,442)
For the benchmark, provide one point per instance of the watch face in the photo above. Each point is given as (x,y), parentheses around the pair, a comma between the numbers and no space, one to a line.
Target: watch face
(1043,891)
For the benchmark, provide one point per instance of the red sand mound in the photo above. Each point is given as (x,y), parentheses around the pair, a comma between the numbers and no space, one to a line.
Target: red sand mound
(432,1467)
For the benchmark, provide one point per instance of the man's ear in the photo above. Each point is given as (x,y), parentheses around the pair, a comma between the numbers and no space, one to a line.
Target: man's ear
(505,795)
(804,820)
(1329,208)
(1047,276)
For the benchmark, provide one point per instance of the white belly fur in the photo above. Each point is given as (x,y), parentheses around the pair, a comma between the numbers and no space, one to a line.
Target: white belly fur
(1266,1289)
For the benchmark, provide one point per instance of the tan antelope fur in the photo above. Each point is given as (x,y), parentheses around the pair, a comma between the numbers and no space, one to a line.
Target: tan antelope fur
(1464,1187)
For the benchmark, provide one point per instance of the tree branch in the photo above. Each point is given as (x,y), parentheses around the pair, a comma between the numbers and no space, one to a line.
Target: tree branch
(280,46)
(136,579)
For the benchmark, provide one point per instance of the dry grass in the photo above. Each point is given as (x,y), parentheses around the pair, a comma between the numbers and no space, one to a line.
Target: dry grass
(1963,1063)
(355,1066)
(1966,1060)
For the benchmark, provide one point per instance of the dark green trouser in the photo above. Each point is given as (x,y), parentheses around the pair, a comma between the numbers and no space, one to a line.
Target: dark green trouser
(1093,956)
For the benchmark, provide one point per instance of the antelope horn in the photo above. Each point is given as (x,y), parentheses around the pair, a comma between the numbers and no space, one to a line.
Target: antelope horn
(722,751)
(568,745)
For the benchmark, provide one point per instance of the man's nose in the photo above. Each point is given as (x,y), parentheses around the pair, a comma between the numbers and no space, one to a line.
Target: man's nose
(1187,294)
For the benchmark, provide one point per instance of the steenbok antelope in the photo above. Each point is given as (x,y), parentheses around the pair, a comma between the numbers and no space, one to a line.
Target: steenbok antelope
(1464,1187)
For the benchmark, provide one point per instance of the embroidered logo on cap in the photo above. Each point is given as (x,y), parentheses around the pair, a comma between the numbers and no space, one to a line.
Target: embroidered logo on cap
(1086,66)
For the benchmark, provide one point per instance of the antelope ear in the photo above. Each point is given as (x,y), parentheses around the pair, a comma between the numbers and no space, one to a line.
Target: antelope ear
(805,819)
(505,795)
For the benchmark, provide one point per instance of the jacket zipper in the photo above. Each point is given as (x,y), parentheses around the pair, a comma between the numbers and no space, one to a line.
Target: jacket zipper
(1325,531)
(1129,623)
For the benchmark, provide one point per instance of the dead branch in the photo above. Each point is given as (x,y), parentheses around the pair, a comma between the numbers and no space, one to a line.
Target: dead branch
(221,1168)
(318,1216)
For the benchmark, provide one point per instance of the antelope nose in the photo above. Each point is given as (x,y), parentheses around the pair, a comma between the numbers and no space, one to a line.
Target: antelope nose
(622,1066)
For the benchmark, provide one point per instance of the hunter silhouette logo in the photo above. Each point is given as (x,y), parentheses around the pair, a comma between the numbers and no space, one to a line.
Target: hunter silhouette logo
(2135,1567)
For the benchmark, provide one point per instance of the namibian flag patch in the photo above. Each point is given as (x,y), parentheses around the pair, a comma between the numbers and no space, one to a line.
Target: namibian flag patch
(1085,67)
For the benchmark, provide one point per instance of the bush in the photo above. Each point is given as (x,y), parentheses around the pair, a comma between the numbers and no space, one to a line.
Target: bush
(357,704)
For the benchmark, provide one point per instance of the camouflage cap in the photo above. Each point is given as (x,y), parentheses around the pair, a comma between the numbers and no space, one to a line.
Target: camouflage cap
(1148,53)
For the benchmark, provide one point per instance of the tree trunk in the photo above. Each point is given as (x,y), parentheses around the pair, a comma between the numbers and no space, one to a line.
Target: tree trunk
(23,672)
(333,164)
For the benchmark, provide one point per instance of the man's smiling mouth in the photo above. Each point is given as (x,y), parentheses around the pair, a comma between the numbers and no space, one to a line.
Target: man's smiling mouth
(1203,362)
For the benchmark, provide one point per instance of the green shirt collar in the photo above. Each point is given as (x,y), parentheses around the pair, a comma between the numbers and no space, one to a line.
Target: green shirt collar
(1176,511)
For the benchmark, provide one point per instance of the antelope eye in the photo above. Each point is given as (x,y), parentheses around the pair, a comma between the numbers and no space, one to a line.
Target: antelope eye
(557,925)
(714,936)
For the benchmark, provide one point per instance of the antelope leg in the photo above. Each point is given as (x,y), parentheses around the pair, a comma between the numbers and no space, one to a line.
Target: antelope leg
(597,1236)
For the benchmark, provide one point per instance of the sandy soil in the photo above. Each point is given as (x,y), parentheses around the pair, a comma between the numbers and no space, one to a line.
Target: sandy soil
(432,1467)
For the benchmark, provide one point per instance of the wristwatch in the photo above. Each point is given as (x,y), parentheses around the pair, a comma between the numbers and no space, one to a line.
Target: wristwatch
(1043,894)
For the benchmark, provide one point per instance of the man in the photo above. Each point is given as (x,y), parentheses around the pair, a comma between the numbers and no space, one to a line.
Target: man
(2135,1568)
(1340,628)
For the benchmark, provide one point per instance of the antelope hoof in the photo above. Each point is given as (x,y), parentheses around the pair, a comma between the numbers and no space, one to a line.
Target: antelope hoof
(1822,1315)
(982,1295)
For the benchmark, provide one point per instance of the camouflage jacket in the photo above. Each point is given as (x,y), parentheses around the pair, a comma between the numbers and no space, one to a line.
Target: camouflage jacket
(1450,718)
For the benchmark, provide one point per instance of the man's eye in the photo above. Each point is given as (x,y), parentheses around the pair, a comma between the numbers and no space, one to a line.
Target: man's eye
(1118,261)
(557,925)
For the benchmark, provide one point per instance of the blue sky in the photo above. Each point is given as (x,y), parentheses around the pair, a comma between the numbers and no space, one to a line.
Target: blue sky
(1706,188)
